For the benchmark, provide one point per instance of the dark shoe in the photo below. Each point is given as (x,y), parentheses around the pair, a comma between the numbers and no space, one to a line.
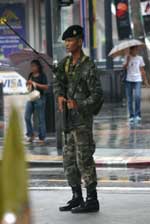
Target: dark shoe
(41,142)
(76,200)
(91,204)
(30,139)
(88,207)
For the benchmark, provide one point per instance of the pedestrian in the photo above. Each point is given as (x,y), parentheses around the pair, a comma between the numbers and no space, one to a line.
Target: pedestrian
(80,147)
(134,65)
(36,80)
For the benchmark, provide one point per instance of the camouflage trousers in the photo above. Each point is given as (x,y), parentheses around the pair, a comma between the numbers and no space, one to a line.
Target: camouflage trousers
(78,158)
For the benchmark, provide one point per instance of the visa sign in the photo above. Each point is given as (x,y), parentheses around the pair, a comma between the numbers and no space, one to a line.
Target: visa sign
(13,83)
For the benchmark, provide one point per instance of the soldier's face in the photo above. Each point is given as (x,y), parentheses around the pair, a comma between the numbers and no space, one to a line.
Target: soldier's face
(73,44)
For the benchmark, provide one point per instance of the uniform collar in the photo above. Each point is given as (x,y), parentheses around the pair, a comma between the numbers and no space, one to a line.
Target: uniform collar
(80,58)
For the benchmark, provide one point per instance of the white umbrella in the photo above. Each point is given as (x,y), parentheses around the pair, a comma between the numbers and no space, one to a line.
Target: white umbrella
(123,46)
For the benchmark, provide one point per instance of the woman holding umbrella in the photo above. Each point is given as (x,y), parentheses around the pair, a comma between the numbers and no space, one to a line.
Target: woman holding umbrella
(36,80)
(134,65)
(135,74)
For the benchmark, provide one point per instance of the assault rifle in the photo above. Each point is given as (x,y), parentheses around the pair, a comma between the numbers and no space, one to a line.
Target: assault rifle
(66,112)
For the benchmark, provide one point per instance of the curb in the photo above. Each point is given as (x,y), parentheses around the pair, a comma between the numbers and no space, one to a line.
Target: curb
(45,164)
(99,164)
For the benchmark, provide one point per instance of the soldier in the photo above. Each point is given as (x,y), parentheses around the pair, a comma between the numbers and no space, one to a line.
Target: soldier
(78,153)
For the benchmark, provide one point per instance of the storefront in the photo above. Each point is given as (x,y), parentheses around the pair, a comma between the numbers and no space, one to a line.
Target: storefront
(31,18)
(81,13)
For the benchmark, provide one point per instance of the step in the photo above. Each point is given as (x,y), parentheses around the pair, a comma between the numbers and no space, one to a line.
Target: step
(106,177)
(120,162)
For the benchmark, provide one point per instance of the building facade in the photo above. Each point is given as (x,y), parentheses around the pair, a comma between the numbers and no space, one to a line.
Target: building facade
(33,22)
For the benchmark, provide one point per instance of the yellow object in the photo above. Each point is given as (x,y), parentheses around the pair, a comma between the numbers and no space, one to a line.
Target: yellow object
(94,24)
(3,20)
(14,174)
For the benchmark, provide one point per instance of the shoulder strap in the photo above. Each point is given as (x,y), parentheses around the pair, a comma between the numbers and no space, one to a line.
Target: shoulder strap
(84,58)
(67,64)
(78,78)
(68,61)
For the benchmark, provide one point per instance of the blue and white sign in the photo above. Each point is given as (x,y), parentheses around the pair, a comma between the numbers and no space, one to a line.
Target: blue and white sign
(13,83)
(15,15)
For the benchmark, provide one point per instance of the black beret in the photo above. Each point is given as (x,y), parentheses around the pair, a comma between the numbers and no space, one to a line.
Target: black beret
(73,31)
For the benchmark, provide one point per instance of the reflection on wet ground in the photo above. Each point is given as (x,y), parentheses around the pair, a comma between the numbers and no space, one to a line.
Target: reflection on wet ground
(114,131)
(113,134)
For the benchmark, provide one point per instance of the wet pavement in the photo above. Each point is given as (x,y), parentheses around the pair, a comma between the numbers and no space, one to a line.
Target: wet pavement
(113,131)
(116,139)
(122,155)
(117,207)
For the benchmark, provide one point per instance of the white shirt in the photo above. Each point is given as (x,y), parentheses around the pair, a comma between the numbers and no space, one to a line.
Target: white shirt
(133,69)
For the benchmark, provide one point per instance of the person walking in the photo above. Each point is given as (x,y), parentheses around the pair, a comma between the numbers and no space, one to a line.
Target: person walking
(36,80)
(134,65)
(80,147)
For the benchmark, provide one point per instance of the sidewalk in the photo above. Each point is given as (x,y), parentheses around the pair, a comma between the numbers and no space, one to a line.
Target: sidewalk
(118,143)
(117,207)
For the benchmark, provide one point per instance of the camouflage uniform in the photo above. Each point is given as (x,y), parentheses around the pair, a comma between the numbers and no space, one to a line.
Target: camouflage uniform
(78,153)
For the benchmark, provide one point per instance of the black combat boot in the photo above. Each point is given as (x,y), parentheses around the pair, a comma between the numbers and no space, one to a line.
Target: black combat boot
(76,200)
(91,204)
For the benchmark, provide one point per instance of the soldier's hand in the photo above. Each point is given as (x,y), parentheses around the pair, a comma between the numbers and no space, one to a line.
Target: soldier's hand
(71,104)
(61,101)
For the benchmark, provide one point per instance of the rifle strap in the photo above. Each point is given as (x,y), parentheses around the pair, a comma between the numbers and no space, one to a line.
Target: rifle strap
(67,65)
(68,62)
(78,78)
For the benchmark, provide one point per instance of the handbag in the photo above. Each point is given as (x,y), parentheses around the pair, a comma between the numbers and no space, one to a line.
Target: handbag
(34,95)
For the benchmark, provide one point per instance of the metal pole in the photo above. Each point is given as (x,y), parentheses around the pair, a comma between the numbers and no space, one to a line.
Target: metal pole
(50,105)
(54,119)
(49,30)
(50,108)
(91,32)
(108,32)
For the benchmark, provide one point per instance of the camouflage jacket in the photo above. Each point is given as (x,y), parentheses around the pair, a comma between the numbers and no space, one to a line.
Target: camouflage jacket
(87,93)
